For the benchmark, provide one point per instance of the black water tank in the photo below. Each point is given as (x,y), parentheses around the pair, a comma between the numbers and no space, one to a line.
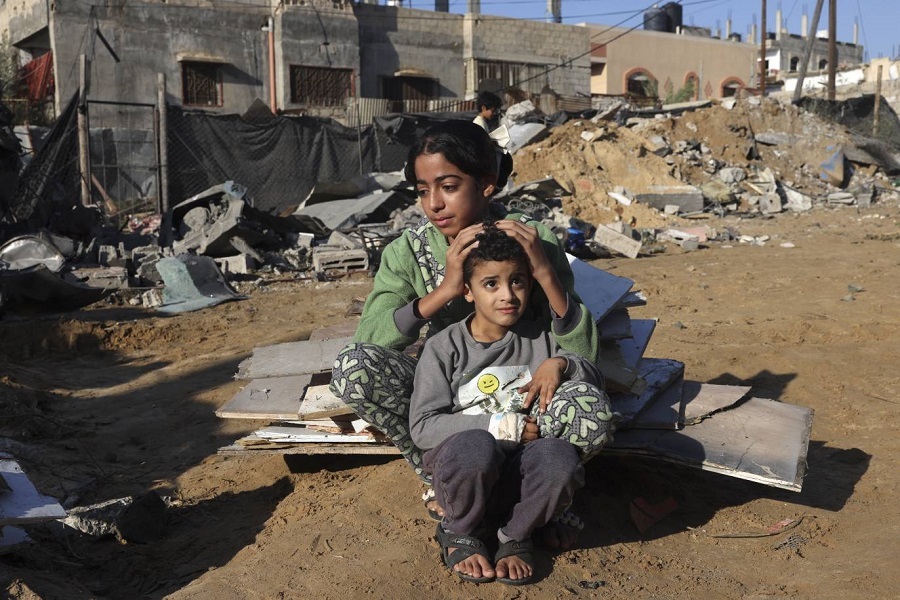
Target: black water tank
(735,37)
(674,12)
(656,19)
(442,6)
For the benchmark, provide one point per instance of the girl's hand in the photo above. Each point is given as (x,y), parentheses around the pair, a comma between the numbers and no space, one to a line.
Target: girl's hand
(453,285)
(545,382)
(457,252)
(531,431)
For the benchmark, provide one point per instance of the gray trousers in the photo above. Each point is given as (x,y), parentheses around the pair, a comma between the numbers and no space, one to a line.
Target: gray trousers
(377,383)
(521,489)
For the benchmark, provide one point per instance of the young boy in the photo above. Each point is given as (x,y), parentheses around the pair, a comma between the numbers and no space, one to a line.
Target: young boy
(488,104)
(494,400)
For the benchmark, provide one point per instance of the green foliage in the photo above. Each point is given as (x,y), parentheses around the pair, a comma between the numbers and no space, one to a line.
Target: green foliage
(685,94)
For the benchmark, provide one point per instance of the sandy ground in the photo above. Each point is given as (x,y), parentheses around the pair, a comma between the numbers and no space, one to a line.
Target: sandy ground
(114,401)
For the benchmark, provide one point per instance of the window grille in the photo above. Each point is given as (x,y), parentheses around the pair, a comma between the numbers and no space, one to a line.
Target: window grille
(201,83)
(525,76)
(321,86)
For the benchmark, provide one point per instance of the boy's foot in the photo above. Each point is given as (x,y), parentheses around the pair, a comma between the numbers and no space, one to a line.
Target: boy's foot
(465,555)
(435,512)
(515,562)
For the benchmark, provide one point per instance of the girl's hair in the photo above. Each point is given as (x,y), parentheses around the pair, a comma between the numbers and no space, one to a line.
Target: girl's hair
(495,246)
(464,144)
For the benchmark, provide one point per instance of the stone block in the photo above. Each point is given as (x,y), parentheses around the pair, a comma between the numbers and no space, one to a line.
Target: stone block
(770,204)
(687,197)
(617,242)
(241,264)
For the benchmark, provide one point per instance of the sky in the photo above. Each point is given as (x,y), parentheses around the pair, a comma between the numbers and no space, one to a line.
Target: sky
(878,19)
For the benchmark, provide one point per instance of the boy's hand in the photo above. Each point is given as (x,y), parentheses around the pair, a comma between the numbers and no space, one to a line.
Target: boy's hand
(531,431)
(544,383)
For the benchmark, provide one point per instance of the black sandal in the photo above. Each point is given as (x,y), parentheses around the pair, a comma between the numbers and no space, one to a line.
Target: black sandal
(465,546)
(524,550)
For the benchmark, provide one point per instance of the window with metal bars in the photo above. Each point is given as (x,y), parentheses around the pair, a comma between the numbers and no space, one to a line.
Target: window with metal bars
(524,76)
(321,86)
(201,83)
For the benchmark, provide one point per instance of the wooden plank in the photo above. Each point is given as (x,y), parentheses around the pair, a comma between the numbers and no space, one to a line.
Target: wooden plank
(292,358)
(23,503)
(320,403)
(599,291)
(633,347)
(257,446)
(704,399)
(298,434)
(270,398)
(764,441)
(659,374)
(615,325)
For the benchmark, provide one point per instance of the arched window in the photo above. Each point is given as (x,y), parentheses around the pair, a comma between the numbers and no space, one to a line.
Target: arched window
(823,64)
(731,87)
(795,63)
(692,86)
(640,82)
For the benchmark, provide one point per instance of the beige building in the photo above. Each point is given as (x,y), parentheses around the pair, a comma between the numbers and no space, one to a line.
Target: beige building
(676,67)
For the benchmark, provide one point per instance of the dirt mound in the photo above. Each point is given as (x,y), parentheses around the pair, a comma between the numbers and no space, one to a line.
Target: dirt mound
(687,149)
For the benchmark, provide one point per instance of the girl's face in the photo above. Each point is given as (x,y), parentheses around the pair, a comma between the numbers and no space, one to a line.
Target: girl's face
(452,200)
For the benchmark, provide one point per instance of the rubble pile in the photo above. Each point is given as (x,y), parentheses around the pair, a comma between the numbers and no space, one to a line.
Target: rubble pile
(645,174)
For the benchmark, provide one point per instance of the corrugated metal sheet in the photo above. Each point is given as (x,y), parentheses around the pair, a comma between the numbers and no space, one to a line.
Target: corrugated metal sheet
(364,110)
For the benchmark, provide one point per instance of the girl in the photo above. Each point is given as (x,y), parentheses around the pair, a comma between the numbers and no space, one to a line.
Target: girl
(420,279)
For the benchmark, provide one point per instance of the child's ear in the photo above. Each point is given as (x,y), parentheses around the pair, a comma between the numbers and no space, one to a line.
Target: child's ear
(488,188)
(467,293)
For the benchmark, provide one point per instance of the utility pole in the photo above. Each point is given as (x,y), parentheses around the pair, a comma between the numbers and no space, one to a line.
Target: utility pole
(810,41)
(762,51)
(832,48)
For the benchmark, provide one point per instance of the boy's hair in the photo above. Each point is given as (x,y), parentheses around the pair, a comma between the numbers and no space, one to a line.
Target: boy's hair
(493,246)
(488,100)
(464,144)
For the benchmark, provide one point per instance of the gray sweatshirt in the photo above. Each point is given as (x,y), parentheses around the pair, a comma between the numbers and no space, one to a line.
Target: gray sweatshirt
(460,383)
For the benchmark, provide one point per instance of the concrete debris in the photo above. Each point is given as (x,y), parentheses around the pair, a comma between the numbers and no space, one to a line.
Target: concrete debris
(775,138)
(327,258)
(687,197)
(129,519)
(519,112)
(732,174)
(523,134)
(770,204)
(796,201)
(836,169)
(617,242)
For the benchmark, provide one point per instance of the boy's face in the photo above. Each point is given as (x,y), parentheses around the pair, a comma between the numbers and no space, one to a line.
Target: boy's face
(500,292)
(488,113)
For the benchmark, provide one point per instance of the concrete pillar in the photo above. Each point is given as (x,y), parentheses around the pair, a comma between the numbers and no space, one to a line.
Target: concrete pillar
(753,33)
(727,28)
(804,25)
(778,24)
(856,33)
(473,7)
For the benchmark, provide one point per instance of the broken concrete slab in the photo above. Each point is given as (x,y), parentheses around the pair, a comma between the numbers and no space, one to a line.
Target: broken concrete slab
(770,204)
(292,358)
(732,174)
(139,519)
(269,398)
(344,214)
(193,282)
(702,400)
(841,198)
(764,441)
(659,374)
(538,190)
(599,290)
(623,244)
(22,503)
(795,200)
(620,198)
(523,134)
(715,190)
(241,264)
(688,197)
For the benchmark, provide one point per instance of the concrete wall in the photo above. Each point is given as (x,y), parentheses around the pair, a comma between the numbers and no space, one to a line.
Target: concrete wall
(151,38)
(321,36)
(532,42)
(794,46)
(21,19)
(671,57)
(393,39)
